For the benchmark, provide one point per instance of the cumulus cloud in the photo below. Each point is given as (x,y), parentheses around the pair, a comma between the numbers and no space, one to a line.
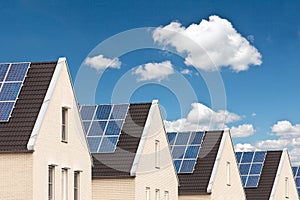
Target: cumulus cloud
(273,144)
(154,71)
(243,130)
(100,62)
(245,147)
(186,71)
(202,117)
(209,45)
(285,129)
(288,136)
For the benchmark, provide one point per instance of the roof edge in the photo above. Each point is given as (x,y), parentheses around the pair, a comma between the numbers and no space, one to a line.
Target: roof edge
(279,169)
(217,161)
(143,139)
(31,142)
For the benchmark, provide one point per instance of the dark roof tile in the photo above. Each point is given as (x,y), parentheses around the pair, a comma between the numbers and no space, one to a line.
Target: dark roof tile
(266,182)
(15,133)
(119,163)
(197,182)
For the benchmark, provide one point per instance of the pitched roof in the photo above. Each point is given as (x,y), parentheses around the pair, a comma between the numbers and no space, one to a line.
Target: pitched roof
(15,133)
(267,178)
(197,182)
(119,163)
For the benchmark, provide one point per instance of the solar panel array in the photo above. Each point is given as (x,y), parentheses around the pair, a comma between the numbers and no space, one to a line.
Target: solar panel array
(250,165)
(296,171)
(103,125)
(185,147)
(12,76)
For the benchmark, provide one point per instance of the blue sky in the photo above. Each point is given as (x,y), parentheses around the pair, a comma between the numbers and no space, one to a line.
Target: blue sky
(261,103)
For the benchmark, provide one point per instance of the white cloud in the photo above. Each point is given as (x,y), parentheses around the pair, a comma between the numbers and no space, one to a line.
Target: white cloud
(288,136)
(243,130)
(186,71)
(209,45)
(285,129)
(202,117)
(245,147)
(154,71)
(272,144)
(101,63)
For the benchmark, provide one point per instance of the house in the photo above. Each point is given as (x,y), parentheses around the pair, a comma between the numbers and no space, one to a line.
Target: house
(296,172)
(130,152)
(43,150)
(206,165)
(267,175)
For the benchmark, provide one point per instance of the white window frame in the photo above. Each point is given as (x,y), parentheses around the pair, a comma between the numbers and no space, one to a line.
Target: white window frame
(157,154)
(228,174)
(166,195)
(147,193)
(76,185)
(64,124)
(286,180)
(157,194)
(64,183)
(51,182)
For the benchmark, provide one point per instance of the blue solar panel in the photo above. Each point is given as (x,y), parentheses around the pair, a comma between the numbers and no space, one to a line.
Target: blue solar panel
(119,112)
(238,156)
(17,72)
(12,77)
(103,112)
(171,138)
(187,166)
(108,144)
(103,125)
(185,147)
(3,70)
(94,143)
(87,112)
(10,91)
(296,172)
(5,110)
(250,165)
(114,127)
(97,128)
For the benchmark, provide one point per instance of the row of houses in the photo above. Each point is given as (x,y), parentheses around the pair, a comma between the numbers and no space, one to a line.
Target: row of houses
(53,148)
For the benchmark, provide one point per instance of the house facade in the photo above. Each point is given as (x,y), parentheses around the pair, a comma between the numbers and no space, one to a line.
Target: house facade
(206,165)
(267,175)
(43,150)
(139,166)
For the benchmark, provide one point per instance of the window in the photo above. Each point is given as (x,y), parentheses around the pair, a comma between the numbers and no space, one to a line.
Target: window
(51,182)
(228,173)
(64,125)
(64,184)
(147,193)
(76,185)
(166,195)
(157,195)
(157,154)
(286,187)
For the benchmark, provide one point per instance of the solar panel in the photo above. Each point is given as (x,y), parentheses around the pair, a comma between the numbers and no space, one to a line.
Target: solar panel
(185,148)
(250,165)
(296,171)
(12,76)
(103,125)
